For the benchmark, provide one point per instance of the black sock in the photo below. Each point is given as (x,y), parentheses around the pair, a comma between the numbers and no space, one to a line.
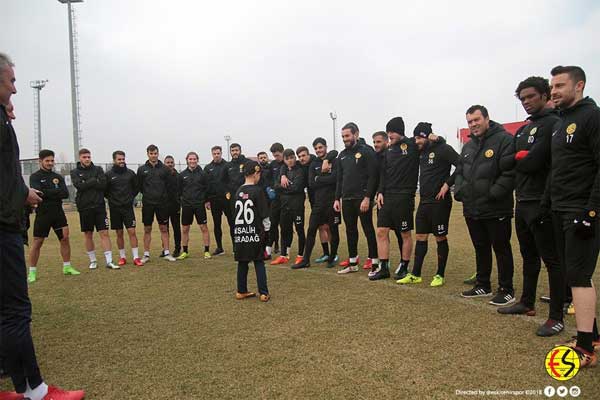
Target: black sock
(206,248)
(325,246)
(420,252)
(384,263)
(442,251)
(185,249)
(584,341)
(595,331)
(405,264)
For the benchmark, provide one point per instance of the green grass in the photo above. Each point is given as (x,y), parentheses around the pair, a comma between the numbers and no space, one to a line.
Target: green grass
(175,331)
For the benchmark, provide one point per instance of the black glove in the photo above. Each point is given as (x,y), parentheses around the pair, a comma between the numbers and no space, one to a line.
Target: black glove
(585,225)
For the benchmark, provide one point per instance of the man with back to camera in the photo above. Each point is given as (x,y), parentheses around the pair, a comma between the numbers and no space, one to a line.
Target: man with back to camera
(174,204)
(18,349)
(573,194)
(484,183)
(49,215)
(90,182)
(355,188)
(217,190)
(121,189)
(153,182)
(193,188)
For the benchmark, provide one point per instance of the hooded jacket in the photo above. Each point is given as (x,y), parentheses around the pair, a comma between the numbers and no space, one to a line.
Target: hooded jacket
(153,183)
(357,173)
(121,186)
(193,187)
(90,183)
(485,176)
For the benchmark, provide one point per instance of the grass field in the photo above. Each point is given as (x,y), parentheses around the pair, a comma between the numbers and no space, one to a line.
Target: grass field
(175,331)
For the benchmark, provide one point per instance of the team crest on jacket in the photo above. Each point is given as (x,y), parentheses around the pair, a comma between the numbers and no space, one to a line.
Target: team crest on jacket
(489,153)
(241,167)
(55,181)
(571,128)
(228,196)
(357,155)
(533,131)
(431,155)
(403,146)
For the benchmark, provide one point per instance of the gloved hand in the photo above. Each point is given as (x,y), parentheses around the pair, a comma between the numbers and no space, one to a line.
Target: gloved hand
(271,194)
(585,225)
(521,154)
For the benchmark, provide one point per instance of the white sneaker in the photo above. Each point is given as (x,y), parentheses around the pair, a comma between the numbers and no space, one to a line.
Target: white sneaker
(373,273)
(110,265)
(146,259)
(349,269)
(93,264)
(169,257)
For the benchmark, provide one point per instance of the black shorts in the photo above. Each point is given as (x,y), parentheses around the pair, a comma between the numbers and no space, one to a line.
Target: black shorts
(93,218)
(149,211)
(188,213)
(433,218)
(326,215)
(397,212)
(122,216)
(50,219)
(579,256)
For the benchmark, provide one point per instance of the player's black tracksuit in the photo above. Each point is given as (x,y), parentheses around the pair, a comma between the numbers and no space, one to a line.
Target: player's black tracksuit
(90,183)
(484,183)
(233,178)
(292,208)
(357,179)
(174,207)
(193,188)
(49,214)
(121,189)
(535,231)
(275,168)
(217,191)
(153,183)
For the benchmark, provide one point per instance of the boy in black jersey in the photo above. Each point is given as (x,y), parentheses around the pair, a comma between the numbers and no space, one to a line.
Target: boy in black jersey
(49,215)
(250,232)
(292,207)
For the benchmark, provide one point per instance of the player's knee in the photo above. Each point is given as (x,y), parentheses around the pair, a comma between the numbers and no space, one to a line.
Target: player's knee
(441,238)
(204,228)
(421,237)
(163,228)
(382,233)
(147,229)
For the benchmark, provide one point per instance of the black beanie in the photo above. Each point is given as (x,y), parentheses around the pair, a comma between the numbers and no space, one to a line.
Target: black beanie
(395,124)
(250,167)
(423,129)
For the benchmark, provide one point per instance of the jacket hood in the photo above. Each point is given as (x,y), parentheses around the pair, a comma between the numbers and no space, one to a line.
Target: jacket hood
(543,113)
(492,130)
(119,170)
(158,164)
(80,166)
(585,102)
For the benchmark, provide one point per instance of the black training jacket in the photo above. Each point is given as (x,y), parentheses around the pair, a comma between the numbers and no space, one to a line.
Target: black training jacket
(53,187)
(13,191)
(153,181)
(121,186)
(90,183)
(173,189)
(357,173)
(575,176)
(485,176)
(322,184)
(435,163)
(234,174)
(193,187)
(399,170)
(292,196)
(215,173)
(532,171)
(266,179)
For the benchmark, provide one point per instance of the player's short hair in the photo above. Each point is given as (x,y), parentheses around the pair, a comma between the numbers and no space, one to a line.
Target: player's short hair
(151,147)
(5,61)
(481,108)
(276,148)
(352,126)
(319,140)
(234,145)
(302,149)
(45,153)
(216,148)
(84,151)
(262,152)
(287,153)
(538,83)
(169,156)
(575,73)
(383,134)
(118,153)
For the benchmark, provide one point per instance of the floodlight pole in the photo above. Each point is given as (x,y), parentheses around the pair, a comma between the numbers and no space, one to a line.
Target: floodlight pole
(228,139)
(37,122)
(333,117)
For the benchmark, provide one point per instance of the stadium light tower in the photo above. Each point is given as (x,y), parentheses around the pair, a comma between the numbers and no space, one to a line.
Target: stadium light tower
(37,118)
(333,117)
(228,139)
(74,77)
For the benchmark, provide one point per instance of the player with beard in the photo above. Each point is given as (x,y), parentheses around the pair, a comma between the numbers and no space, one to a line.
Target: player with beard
(273,176)
(233,177)
(121,189)
(174,204)
(217,191)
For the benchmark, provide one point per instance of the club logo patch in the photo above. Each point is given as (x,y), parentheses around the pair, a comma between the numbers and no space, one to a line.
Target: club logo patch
(256,168)
(571,128)
(228,196)
(533,131)
(489,153)
(431,155)
(403,146)
(357,156)
(55,181)
(241,168)
(241,194)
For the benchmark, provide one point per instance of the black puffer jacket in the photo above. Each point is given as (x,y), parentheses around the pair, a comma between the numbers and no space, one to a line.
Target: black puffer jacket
(90,183)
(485,177)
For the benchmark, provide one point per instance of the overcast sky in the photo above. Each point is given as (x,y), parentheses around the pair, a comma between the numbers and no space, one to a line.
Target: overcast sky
(182,74)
